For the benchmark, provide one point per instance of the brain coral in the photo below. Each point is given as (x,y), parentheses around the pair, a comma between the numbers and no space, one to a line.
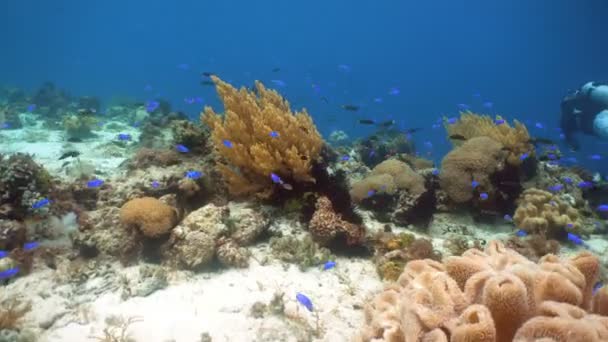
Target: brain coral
(541,212)
(388,177)
(515,140)
(152,217)
(477,159)
(495,295)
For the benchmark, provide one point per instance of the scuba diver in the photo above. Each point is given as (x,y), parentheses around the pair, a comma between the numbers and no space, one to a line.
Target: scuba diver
(585,109)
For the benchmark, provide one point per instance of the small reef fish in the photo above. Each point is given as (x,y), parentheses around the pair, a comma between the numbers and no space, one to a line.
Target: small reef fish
(435,172)
(9,273)
(345,158)
(95,183)
(371,193)
(457,137)
(524,156)
(151,106)
(69,154)
(394,91)
(507,218)
(274,134)
(155,184)
(521,233)
(279,83)
(597,286)
(3,254)
(329,265)
(499,122)
(595,157)
(585,185)
(556,188)
(227,143)
(192,174)
(575,239)
(474,184)
(463,106)
(41,203)
(367,122)
(305,301)
(350,107)
(28,246)
(483,196)
(181,148)
(452,120)
(31,108)
(539,125)
(603,208)
(207,74)
(277,180)
(124,137)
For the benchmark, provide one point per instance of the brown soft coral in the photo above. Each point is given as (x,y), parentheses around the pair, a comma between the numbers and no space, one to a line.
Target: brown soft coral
(494,295)
(477,159)
(541,212)
(152,217)
(243,139)
(388,177)
(326,224)
(515,140)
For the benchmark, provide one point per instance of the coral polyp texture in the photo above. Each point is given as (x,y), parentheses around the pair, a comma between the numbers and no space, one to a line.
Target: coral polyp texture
(494,295)
(259,135)
(541,212)
(388,177)
(515,139)
(475,160)
(326,224)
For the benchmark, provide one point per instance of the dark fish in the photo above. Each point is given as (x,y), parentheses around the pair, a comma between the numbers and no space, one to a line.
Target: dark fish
(304,129)
(207,83)
(74,139)
(352,108)
(387,123)
(68,154)
(412,130)
(544,141)
(367,122)
(208,74)
(457,137)
(276,69)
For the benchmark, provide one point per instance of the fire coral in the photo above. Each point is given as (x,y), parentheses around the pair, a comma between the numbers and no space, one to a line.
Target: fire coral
(259,135)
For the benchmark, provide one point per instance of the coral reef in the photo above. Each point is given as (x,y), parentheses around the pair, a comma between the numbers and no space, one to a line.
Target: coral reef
(515,139)
(11,312)
(258,136)
(541,212)
(150,216)
(475,160)
(22,183)
(325,225)
(383,145)
(80,125)
(304,252)
(146,157)
(496,295)
(189,134)
(388,177)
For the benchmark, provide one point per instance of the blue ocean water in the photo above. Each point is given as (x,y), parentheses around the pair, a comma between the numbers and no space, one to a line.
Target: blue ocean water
(523,56)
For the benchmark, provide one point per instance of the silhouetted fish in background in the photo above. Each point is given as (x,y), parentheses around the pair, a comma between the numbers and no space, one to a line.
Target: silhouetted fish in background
(207,74)
(367,122)
(207,83)
(276,69)
(72,154)
(352,108)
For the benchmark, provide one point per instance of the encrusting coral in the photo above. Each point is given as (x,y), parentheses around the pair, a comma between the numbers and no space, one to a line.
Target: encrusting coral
(152,217)
(475,160)
(516,139)
(388,177)
(496,295)
(541,212)
(326,224)
(258,136)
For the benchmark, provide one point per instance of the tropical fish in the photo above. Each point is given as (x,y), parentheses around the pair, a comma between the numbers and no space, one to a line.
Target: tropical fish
(603,208)
(207,74)
(41,203)
(435,172)
(279,83)
(367,122)
(9,273)
(72,154)
(474,184)
(345,157)
(28,246)
(499,121)
(181,148)
(3,254)
(227,143)
(350,107)
(305,301)
(507,218)
(151,106)
(575,239)
(483,196)
(155,184)
(95,183)
(394,91)
(124,137)
(457,137)
(329,265)
(521,233)
(274,134)
(192,174)
(275,178)
(556,188)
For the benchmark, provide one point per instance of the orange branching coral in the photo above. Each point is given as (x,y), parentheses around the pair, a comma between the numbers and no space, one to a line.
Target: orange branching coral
(515,139)
(541,212)
(477,159)
(249,151)
(326,224)
(387,177)
(496,296)
(151,216)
